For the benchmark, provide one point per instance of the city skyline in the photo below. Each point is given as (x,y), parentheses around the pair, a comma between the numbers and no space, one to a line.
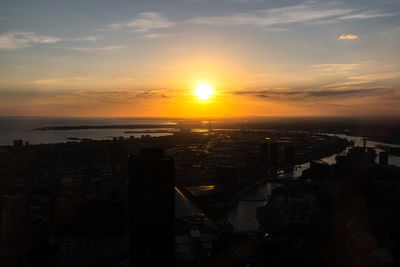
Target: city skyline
(122,58)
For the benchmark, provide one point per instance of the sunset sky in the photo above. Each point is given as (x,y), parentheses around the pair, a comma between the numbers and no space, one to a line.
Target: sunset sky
(145,58)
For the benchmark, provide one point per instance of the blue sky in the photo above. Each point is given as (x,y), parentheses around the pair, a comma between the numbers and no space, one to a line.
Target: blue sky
(329,57)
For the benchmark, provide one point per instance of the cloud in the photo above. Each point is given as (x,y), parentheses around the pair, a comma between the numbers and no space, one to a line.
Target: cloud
(366,15)
(12,94)
(377,76)
(342,68)
(16,40)
(90,38)
(155,35)
(307,11)
(150,94)
(82,96)
(347,37)
(114,96)
(145,22)
(57,81)
(104,48)
(356,80)
(309,95)
(285,15)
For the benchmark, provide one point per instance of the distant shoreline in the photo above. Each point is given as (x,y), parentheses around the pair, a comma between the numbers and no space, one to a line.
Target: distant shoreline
(88,127)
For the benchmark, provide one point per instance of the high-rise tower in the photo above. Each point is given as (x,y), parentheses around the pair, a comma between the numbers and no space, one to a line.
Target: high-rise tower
(152,208)
(269,152)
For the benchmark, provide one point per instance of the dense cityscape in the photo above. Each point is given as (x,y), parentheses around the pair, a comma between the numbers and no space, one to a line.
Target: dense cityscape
(112,202)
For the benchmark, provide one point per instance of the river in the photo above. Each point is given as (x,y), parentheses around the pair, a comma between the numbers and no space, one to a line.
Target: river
(243,214)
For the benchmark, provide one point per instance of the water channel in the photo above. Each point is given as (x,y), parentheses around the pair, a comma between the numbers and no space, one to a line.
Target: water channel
(242,216)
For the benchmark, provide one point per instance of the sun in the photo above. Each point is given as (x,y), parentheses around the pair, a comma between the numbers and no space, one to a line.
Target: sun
(204,91)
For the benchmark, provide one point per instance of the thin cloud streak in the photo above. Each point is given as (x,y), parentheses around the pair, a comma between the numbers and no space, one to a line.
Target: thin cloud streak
(308,95)
(15,40)
(155,36)
(104,48)
(337,68)
(90,38)
(367,15)
(145,22)
(100,96)
(305,12)
(115,96)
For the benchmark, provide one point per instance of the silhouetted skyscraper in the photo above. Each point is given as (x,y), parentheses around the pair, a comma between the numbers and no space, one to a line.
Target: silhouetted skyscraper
(152,208)
(18,143)
(288,155)
(383,158)
(269,152)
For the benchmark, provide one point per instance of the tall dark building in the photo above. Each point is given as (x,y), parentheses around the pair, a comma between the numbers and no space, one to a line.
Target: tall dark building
(383,158)
(269,153)
(152,208)
(288,155)
(18,143)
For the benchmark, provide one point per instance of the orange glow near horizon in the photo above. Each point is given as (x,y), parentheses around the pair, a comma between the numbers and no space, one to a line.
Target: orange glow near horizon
(199,89)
